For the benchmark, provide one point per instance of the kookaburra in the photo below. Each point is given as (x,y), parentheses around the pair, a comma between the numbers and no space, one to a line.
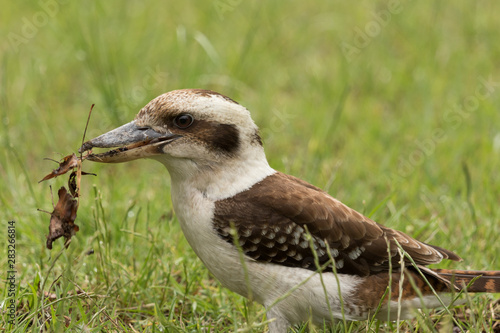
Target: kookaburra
(272,237)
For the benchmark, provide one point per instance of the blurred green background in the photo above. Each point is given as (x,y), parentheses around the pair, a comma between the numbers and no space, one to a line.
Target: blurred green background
(392,107)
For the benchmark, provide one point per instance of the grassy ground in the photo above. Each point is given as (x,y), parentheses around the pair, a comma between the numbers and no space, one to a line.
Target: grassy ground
(391,107)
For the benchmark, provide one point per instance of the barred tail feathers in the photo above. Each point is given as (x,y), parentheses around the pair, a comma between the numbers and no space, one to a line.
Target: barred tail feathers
(484,281)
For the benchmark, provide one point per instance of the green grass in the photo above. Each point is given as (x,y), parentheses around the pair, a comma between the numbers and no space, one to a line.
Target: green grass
(377,128)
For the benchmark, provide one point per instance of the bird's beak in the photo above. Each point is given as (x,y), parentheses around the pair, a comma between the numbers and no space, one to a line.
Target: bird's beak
(130,142)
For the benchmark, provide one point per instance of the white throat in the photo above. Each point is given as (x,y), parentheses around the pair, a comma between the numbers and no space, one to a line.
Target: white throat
(222,180)
(194,193)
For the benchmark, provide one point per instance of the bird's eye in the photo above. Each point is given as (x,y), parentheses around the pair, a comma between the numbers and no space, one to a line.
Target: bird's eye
(183,121)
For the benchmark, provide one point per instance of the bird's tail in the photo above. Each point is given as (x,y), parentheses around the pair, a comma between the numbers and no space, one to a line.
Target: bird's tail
(473,281)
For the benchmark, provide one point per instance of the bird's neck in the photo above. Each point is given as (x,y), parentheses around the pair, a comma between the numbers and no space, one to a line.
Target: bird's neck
(218,181)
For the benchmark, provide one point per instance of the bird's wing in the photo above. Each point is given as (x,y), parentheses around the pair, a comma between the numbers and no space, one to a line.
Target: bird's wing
(272,221)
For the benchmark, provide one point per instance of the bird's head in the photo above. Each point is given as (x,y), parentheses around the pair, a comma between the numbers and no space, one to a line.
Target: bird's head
(189,131)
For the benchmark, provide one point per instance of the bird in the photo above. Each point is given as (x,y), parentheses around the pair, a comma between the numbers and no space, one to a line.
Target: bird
(272,237)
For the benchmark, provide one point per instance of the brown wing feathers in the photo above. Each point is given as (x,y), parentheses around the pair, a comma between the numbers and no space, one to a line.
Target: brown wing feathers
(271,220)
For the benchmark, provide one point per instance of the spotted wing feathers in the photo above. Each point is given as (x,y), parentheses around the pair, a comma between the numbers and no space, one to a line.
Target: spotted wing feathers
(274,218)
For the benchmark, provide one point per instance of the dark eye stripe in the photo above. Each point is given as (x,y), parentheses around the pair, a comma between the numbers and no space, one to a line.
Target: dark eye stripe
(226,138)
